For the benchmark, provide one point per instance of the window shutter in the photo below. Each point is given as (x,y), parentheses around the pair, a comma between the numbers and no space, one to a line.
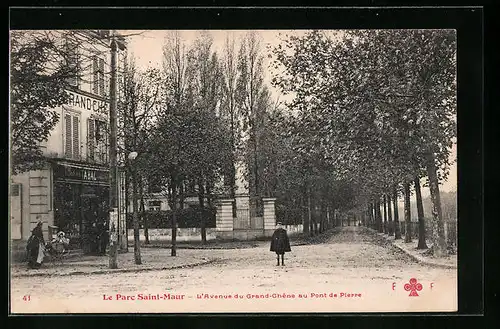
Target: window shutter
(72,61)
(105,133)
(101,77)
(68,140)
(95,72)
(105,140)
(90,138)
(76,137)
(77,65)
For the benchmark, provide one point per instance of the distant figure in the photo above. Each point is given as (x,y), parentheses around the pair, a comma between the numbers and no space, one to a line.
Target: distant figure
(280,243)
(36,246)
(102,238)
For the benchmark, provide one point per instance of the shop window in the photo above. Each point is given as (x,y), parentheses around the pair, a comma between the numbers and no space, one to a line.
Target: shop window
(154,205)
(97,140)
(71,136)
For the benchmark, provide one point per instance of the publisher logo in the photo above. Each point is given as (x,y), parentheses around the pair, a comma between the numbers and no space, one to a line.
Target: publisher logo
(413,286)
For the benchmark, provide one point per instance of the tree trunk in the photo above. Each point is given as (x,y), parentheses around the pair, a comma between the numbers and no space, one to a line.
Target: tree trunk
(181,195)
(307,218)
(328,223)
(407,212)
(322,223)
(255,161)
(208,195)
(174,221)
(397,228)
(389,215)
(143,213)
(135,205)
(384,200)
(312,221)
(420,214)
(378,211)
(438,238)
(233,158)
(370,215)
(201,201)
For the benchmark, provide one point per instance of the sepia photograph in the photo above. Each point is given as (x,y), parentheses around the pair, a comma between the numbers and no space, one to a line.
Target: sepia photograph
(233,171)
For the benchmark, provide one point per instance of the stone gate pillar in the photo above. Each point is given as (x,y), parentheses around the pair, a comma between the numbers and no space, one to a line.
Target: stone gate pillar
(269,216)
(224,219)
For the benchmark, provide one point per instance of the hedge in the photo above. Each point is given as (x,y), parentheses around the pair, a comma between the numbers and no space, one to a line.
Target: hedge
(186,218)
(289,216)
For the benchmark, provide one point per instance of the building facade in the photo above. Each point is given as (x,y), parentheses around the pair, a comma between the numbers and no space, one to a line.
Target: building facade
(72,192)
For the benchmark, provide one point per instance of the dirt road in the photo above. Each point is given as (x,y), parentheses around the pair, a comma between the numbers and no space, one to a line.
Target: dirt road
(353,271)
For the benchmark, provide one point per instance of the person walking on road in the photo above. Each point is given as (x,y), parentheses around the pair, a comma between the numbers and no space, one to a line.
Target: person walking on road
(280,243)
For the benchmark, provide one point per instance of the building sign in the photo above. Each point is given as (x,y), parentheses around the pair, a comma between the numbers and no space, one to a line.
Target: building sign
(87,103)
(64,172)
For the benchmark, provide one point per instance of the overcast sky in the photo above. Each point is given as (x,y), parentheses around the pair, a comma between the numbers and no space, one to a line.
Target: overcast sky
(147,50)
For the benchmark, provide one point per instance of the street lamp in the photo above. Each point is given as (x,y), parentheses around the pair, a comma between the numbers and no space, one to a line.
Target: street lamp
(137,248)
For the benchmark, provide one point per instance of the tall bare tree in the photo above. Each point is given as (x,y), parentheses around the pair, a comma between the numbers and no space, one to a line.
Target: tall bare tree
(251,92)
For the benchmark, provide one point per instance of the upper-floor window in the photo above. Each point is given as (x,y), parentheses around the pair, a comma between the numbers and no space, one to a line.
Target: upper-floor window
(73,62)
(98,86)
(97,140)
(71,135)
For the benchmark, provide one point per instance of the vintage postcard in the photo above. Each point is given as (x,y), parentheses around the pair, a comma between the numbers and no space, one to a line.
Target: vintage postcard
(233,171)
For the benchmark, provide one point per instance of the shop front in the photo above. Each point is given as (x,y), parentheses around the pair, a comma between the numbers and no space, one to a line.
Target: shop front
(81,205)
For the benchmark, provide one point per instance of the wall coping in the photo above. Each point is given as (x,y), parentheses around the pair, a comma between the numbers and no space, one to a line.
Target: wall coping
(225,200)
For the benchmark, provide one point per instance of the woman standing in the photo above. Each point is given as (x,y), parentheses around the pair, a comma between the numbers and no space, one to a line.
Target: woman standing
(36,246)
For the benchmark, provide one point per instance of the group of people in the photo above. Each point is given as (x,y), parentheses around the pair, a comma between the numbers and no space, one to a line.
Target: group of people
(280,244)
(37,248)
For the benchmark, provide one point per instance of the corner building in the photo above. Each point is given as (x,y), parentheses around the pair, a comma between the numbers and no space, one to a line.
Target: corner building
(72,191)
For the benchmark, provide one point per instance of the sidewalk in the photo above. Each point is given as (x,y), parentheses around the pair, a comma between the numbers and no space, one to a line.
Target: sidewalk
(420,255)
(152,259)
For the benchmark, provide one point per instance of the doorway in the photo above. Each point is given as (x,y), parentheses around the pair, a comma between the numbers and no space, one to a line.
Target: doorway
(80,211)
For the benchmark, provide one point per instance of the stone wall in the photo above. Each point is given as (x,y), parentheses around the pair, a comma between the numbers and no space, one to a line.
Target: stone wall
(194,234)
(165,234)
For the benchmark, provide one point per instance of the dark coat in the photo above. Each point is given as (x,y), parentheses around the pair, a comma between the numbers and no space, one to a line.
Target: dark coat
(33,246)
(280,243)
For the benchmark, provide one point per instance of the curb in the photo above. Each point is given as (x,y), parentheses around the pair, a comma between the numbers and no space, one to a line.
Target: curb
(120,270)
(421,260)
(416,258)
